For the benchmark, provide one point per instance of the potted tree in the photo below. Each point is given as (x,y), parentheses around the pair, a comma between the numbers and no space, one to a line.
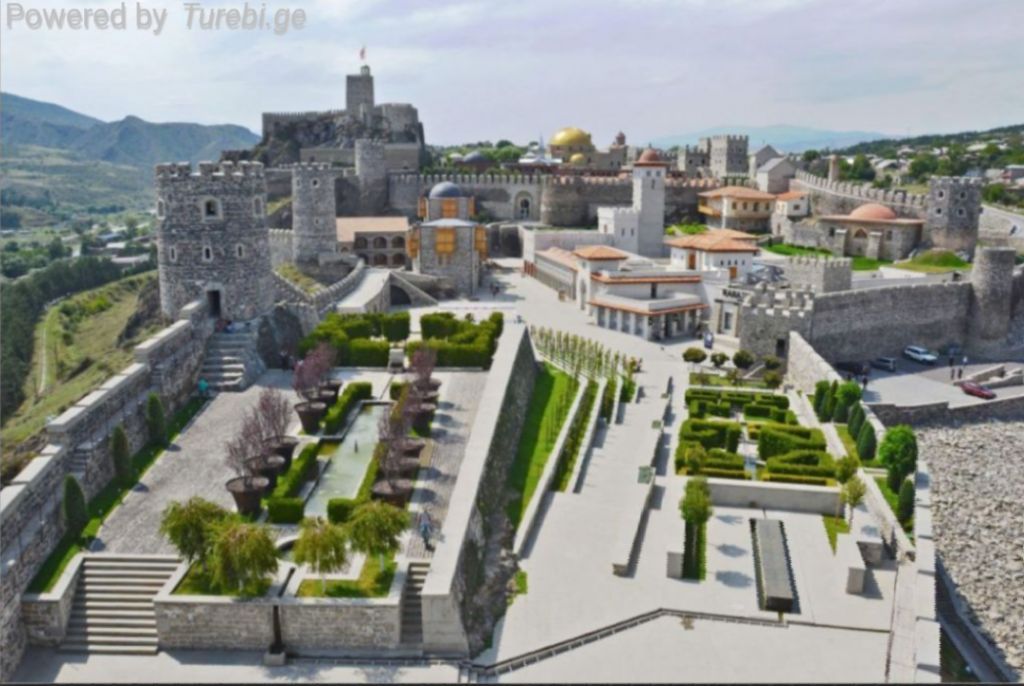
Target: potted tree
(309,372)
(331,388)
(274,413)
(246,488)
(422,363)
(395,467)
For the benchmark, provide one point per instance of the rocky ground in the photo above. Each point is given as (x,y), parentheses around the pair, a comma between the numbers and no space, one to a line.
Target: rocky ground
(978,514)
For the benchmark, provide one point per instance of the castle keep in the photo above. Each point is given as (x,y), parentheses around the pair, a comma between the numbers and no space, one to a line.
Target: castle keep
(212,240)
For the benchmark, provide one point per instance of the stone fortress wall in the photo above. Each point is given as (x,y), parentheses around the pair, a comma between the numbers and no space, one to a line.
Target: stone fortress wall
(842,197)
(998,226)
(821,274)
(31,524)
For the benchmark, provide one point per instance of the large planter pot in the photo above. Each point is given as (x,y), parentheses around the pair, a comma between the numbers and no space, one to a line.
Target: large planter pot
(334,387)
(397,496)
(267,466)
(421,420)
(412,447)
(431,384)
(285,447)
(247,491)
(310,414)
(408,467)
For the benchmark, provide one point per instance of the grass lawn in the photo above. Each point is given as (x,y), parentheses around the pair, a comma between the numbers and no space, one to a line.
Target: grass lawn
(552,397)
(860,264)
(290,272)
(71,360)
(934,262)
(195,582)
(833,527)
(104,503)
(686,229)
(851,445)
(372,582)
(572,452)
(698,379)
(893,499)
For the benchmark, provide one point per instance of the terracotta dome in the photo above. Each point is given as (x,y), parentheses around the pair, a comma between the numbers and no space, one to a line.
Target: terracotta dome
(873,212)
(571,137)
(649,156)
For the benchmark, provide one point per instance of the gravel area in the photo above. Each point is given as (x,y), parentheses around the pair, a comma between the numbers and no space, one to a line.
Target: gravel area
(978,516)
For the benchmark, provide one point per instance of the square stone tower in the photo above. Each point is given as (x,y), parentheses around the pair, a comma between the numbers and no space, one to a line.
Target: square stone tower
(359,94)
(728,156)
(953,207)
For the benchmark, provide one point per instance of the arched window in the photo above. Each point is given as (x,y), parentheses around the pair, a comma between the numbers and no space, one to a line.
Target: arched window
(240,251)
(160,209)
(398,242)
(207,254)
(257,207)
(361,243)
(316,183)
(398,260)
(380,242)
(172,254)
(524,208)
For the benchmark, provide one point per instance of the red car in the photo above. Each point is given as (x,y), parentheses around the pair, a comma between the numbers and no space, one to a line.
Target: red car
(977,390)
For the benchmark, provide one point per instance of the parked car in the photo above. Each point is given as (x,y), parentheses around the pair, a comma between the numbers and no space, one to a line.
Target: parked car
(885,363)
(977,390)
(919,354)
(855,368)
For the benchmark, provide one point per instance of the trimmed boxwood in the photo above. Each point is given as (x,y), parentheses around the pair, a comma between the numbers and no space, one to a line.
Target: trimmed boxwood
(803,463)
(796,479)
(285,510)
(339,510)
(364,352)
(395,326)
(716,473)
(866,442)
(711,434)
(334,420)
(856,420)
(289,483)
(779,439)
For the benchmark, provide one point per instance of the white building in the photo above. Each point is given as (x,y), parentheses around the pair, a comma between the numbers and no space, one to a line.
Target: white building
(640,228)
(717,251)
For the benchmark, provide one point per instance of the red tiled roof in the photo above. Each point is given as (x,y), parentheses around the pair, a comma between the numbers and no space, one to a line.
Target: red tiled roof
(713,241)
(599,252)
(741,192)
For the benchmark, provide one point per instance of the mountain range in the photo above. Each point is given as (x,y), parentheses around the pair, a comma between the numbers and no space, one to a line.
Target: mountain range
(130,141)
(783,137)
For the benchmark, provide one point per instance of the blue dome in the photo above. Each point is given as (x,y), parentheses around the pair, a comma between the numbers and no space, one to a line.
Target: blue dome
(446,189)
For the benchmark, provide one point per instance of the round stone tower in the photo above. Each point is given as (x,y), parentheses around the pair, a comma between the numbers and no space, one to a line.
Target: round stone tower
(314,236)
(212,239)
(951,219)
(991,294)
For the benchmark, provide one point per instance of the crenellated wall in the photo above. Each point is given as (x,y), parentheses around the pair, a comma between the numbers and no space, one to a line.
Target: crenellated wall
(30,520)
(842,197)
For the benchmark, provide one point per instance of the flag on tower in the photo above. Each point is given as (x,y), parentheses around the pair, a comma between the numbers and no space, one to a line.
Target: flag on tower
(362,53)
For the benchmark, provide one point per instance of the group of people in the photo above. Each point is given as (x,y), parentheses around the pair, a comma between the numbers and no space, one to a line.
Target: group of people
(956,373)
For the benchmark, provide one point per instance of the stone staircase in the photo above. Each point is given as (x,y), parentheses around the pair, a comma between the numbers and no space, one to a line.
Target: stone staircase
(412,604)
(113,606)
(232,361)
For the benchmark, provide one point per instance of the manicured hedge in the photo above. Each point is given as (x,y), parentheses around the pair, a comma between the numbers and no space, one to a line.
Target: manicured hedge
(699,409)
(285,510)
(715,473)
(803,463)
(394,326)
(608,400)
(796,479)
(348,332)
(289,483)
(737,399)
(459,342)
(334,420)
(339,510)
(778,439)
(364,352)
(710,434)
(765,411)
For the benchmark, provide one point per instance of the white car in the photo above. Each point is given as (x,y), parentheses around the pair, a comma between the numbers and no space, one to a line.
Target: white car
(919,354)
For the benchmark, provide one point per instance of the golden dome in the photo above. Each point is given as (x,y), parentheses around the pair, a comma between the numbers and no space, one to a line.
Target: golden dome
(571,137)
(578,159)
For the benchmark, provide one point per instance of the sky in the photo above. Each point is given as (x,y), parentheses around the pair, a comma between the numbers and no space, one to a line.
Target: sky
(485,70)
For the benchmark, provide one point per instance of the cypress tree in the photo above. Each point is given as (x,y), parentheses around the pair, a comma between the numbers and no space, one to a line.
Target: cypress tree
(120,454)
(73,507)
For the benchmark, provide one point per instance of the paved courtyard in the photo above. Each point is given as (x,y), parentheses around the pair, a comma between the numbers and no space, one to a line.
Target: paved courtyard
(916,384)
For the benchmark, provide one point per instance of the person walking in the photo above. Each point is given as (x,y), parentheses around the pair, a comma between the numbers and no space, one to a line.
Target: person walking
(423,524)
(204,388)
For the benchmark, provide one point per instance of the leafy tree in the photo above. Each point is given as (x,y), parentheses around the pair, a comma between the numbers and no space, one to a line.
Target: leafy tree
(717,359)
(55,249)
(859,170)
(923,165)
(811,155)
(771,362)
(503,143)
(866,442)
(898,452)
(243,556)
(905,502)
(375,527)
(696,510)
(852,493)
(846,395)
(322,546)
(772,379)
(994,193)
(696,456)
(120,454)
(191,526)
(743,360)
(156,420)
(694,355)
(76,513)
(846,468)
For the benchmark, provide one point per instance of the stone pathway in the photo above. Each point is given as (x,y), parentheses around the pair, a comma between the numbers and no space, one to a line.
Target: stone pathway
(452,423)
(192,466)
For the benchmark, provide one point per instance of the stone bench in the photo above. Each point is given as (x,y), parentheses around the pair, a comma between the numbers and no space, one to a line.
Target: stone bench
(849,556)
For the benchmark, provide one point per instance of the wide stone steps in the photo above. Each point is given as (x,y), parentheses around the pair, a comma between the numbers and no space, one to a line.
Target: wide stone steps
(113,607)
(412,603)
(231,361)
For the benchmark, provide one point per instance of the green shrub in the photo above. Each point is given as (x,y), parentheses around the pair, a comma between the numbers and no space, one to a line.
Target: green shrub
(855,420)
(628,389)
(778,439)
(866,442)
(124,471)
(820,391)
(847,394)
(905,502)
(898,452)
(368,353)
(711,434)
(608,400)
(717,473)
(395,326)
(339,510)
(396,388)
(334,420)
(289,483)
(73,507)
(803,463)
(796,479)
(156,420)
(743,359)
(285,510)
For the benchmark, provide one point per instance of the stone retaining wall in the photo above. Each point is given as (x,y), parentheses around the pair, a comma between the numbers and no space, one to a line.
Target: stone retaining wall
(942,413)
(31,525)
(805,367)
(46,614)
(758,494)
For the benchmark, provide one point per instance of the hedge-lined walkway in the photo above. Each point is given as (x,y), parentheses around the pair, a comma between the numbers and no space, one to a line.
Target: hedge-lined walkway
(193,465)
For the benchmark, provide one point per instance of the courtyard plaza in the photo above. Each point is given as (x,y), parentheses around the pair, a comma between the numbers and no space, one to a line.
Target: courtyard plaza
(918,384)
